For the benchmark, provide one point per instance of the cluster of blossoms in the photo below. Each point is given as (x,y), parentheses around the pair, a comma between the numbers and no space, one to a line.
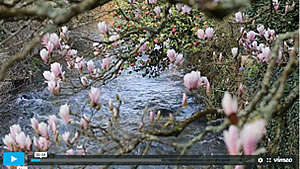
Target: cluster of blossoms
(208,34)
(54,77)
(239,18)
(50,42)
(194,80)
(184,8)
(173,56)
(94,72)
(250,40)
(248,137)
(16,140)
(258,42)
(104,30)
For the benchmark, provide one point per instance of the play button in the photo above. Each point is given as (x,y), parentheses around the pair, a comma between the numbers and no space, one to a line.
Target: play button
(13,158)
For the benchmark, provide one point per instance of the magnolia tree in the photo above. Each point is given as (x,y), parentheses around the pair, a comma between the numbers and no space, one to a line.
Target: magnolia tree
(152,36)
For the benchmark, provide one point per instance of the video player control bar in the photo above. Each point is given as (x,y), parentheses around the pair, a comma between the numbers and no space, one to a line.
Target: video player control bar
(161,160)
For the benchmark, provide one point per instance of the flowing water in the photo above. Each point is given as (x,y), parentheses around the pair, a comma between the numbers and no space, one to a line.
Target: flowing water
(163,92)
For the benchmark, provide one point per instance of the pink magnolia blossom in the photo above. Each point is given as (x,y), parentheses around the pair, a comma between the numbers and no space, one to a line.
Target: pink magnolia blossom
(200,34)
(113,38)
(204,81)
(141,125)
(186,9)
(44,55)
(184,100)
(179,6)
(143,47)
(45,39)
(50,47)
(94,95)
(28,143)
(64,29)
(260,58)
(171,55)
(41,144)
(286,9)
(152,1)
(110,105)
(275,5)
(35,125)
(91,66)
(56,68)
(170,11)
(84,122)
(261,46)
(106,63)
(261,29)
(83,81)
(9,142)
(269,34)
(54,39)
(65,137)
(72,53)
(151,116)
(131,1)
(231,139)
(229,104)
(266,52)
(49,76)
(221,57)
(209,32)
(157,11)
(179,58)
(64,113)
(20,140)
(251,134)
(254,45)
(43,130)
(52,121)
(79,63)
(250,36)
(102,27)
(54,87)
(14,130)
(64,34)
(234,52)
(63,51)
(241,90)
(239,17)
(192,80)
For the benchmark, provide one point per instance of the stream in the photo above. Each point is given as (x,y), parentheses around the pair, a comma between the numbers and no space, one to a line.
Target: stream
(136,92)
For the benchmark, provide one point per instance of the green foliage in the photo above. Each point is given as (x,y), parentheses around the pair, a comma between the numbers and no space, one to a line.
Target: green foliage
(35,64)
(176,31)
(275,19)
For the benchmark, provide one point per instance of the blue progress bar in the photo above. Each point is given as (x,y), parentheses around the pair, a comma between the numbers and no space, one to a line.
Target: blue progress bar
(35,160)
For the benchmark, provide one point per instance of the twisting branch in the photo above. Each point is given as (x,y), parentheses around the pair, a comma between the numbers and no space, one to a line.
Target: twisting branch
(266,80)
